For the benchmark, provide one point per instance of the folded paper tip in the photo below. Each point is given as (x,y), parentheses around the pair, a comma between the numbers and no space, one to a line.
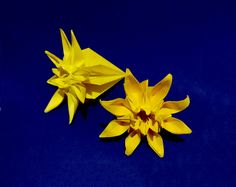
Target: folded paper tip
(127,72)
(61,30)
(72,32)
(46,110)
(187,97)
(127,153)
(170,75)
(103,135)
(161,156)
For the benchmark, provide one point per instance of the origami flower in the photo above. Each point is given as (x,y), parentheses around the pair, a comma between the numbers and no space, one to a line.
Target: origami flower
(144,113)
(80,74)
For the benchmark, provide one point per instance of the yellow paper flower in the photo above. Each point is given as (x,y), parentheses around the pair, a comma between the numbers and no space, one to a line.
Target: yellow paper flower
(144,113)
(80,74)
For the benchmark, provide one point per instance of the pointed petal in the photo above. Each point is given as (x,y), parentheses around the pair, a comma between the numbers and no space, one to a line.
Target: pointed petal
(135,125)
(55,81)
(77,53)
(101,78)
(99,75)
(93,91)
(176,126)
(51,80)
(65,43)
(72,105)
(131,142)
(146,97)
(133,91)
(160,90)
(91,58)
(117,107)
(56,71)
(154,127)
(172,107)
(55,101)
(114,128)
(144,86)
(56,61)
(80,92)
(142,127)
(156,143)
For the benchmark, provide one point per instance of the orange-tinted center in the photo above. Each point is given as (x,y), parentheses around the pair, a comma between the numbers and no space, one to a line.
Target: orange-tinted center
(144,117)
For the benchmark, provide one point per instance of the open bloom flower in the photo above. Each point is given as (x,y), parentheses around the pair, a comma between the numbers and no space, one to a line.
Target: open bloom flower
(80,74)
(144,113)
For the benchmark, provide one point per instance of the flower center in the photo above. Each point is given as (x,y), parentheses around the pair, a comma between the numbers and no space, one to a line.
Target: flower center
(144,117)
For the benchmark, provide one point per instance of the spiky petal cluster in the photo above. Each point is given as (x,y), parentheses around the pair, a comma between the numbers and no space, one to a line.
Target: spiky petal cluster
(79,75)
(144,113)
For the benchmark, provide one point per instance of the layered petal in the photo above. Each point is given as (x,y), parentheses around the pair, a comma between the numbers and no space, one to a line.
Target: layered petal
(65,44)
(117,107)
(55,101)
(76,50)
(100,74)
(94,91)
(114,128)
(133,90)
(172,107)
(91,59)
(80,92)
(72,105)
(80,74)
(153,126)
(159,91)
(156,143)
(56,61)
(146,105)
(176,126)
(131,142)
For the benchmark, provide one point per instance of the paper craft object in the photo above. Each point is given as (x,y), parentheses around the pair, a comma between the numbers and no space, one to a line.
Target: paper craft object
(79,75)
(144,113)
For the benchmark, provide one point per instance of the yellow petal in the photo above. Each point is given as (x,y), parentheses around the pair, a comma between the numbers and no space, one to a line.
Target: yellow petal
(116,107)
(133,91)
(65,44)
(114,128)
(156,143)
(80,92)
(72,105)
(56,71)
(93,91)
(176,126)
(160,90)
(131,142)
(146,106)
(154,127)
(55,81)
(91,58)
(135,125)
(55,101)
(172,107)
(77,53)
(142,127)
(101,74)
(51,80)
(56,61)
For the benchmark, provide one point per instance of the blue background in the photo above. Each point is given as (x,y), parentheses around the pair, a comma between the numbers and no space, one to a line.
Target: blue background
(193,40)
